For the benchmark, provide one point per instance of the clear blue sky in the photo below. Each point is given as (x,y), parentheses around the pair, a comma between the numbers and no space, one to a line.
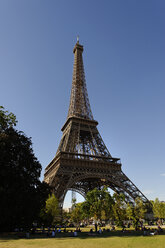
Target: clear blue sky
(124,60)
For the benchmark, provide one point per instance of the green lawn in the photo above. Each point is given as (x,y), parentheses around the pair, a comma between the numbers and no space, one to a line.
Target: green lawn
(157,241)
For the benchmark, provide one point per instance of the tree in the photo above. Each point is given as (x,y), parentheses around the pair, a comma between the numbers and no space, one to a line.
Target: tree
(52,210)
(137,211)
(7,119)
(21,192)
(66,217)
(98,204)
(119,208)
(159,209)
(77,214)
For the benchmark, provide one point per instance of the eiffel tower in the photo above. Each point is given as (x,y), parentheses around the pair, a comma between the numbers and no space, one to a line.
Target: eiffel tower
(82,161)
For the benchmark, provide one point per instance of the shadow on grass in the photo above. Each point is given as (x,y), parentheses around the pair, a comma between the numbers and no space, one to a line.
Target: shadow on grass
(82,235)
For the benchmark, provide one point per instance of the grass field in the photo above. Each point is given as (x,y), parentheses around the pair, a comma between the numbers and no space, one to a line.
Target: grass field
(157,241)
(95,242)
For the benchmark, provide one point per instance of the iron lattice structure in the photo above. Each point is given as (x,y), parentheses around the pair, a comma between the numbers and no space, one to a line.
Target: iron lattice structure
(82,161)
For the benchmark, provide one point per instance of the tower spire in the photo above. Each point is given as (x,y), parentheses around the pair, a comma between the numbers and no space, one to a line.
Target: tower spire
(79,101)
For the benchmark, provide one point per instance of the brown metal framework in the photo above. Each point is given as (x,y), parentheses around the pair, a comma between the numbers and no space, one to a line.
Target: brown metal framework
(82,161)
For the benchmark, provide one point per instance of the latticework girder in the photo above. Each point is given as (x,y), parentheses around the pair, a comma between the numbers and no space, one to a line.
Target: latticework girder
(83,138)
(79,101)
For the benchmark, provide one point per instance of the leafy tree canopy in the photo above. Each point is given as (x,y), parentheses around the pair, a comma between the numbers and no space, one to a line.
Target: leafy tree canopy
(159,209)
(21,191)
(119,208)
(50,214)
(98,204)
(6,119)
(137,211)
(77,214)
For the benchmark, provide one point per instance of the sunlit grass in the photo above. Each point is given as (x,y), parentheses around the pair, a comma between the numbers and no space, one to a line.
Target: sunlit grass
(114,239)
(83,241)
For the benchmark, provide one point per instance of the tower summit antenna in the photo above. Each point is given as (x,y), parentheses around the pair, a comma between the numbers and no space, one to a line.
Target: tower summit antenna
(77,38)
